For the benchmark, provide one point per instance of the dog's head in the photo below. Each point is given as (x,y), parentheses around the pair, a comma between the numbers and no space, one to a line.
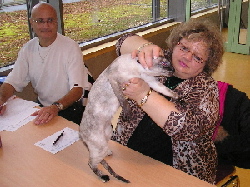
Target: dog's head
(161,64)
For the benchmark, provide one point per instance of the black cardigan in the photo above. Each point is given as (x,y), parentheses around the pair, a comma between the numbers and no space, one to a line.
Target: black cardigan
(235,148)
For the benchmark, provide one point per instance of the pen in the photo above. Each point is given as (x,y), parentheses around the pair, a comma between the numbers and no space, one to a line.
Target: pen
(58,138)
(12,97)
(0,142)
(1,106)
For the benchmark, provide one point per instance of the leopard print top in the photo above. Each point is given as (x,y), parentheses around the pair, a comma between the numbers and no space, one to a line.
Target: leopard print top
(191,130)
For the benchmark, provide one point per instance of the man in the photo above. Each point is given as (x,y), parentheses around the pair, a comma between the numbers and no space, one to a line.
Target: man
(54,66)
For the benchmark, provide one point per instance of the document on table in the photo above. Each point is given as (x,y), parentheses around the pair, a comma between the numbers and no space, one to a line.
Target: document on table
(59,140)
(17,114)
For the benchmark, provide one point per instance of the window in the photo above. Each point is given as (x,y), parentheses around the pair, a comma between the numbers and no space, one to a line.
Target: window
(98,18)
(88,20)
(202,4)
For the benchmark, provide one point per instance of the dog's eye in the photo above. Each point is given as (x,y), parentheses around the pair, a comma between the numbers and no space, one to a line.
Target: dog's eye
(165,63)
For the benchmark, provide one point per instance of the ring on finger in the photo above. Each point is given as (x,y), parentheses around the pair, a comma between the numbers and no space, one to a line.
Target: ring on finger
(125,86)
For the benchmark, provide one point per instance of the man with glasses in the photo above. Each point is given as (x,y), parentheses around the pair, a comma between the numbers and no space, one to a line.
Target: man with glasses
(54,66)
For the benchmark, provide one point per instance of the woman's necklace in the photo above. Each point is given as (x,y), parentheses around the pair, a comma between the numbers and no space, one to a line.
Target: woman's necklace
(173,82)
(43,57)
(168,84)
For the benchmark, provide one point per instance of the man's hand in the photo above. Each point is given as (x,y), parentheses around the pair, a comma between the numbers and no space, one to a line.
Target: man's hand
(2,107)
(0,142)
(2,110)
(45,114)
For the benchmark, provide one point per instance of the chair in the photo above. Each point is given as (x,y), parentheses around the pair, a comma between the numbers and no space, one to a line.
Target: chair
(225,176)
(232,182)
(223,171)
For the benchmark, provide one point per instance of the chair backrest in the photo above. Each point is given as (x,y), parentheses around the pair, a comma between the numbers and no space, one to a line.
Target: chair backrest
(222,86)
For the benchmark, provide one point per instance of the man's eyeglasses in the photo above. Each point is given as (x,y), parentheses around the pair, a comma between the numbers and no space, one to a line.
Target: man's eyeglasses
(42,21)
(186,50)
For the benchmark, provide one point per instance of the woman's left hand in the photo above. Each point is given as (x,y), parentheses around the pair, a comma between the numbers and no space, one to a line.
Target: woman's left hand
(45,114)
(135,89)
(147,54)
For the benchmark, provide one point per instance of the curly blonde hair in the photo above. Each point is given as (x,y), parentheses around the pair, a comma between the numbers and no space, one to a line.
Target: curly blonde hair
(200,30)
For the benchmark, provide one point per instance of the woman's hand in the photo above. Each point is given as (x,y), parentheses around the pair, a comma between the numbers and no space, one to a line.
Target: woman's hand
(135,89)
(45,114)
(141,48)
(146,54)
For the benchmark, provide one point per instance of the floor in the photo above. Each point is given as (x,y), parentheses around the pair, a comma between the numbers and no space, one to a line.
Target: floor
(235,70)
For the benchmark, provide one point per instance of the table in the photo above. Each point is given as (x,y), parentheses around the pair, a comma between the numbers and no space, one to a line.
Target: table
(22,164)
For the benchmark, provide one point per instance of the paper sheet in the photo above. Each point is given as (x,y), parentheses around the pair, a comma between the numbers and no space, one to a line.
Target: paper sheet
(69,137)
(17,114)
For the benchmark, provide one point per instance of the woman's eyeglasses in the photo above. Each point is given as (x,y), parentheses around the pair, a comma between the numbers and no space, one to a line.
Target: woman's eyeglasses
(186,50)
(42,21)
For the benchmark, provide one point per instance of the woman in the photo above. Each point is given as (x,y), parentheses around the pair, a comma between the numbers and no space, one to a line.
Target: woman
(179,131)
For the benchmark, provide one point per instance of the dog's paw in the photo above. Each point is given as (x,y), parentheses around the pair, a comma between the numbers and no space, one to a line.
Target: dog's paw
(174,95)
(109,153)
(105,178)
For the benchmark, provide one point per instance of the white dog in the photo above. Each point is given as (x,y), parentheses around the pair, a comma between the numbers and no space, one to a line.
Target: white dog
(104,99)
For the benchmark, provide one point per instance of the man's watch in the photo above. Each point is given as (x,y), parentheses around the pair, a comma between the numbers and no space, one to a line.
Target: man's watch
(58,105)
